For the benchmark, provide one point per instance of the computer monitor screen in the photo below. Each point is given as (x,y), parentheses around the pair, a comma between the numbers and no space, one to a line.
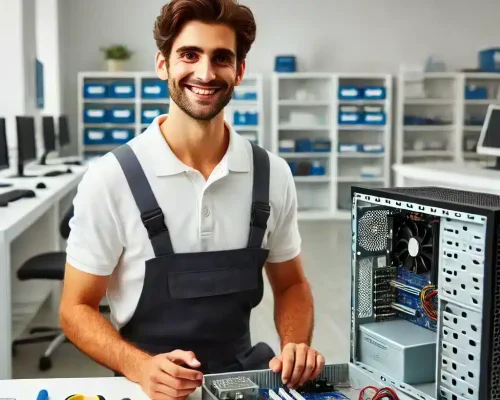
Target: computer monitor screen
(49,134)
(4,151)
(26,144)
(63,131)
(489,141)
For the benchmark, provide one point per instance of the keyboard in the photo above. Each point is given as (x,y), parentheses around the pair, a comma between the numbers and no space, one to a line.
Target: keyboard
(55,173)
(14,195)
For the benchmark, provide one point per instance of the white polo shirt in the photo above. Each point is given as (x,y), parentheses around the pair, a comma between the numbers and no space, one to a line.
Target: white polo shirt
(108,237)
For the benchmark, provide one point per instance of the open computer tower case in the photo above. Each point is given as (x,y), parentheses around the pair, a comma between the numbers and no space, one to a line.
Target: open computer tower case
(426,291)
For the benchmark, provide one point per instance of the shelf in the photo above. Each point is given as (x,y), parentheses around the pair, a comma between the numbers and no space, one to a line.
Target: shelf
(303,128)
(361,127)
(304,103)
(482,102)
(312,179)
(473,128)
(430,102)
(428,128)
(100,147)
(428,153)
(316,154)
(361,155)
(361,102)
(347,179)
(110,101)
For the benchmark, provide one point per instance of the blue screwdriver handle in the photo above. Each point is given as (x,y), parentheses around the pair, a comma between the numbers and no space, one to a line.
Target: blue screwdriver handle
(43,395)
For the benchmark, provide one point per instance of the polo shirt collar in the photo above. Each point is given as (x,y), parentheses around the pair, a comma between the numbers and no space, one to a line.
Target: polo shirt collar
(166,162)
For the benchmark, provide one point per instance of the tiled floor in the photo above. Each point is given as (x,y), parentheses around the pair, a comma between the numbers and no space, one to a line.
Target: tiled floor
(326,258)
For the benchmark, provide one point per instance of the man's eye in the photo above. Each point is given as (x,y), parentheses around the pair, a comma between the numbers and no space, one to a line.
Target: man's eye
(189,56)
(221,59)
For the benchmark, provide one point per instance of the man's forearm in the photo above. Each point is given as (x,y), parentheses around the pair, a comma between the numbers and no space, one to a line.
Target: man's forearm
(294,314)
(94,335)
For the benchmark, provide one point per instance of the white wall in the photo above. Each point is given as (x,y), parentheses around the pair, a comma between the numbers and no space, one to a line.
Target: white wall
(17,66)
(326,35)
(47,48)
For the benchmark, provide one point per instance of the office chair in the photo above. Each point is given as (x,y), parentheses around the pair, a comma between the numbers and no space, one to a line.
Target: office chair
(48,266)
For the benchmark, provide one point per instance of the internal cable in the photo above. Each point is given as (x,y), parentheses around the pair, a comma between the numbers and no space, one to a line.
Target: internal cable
(426,296)
(383,393)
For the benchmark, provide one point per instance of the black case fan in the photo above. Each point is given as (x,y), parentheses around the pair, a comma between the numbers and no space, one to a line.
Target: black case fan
(414,245)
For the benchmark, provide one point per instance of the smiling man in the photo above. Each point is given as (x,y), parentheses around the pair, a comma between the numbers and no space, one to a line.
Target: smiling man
(178,225)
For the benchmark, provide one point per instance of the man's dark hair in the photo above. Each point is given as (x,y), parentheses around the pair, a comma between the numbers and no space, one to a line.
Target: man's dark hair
(175,14)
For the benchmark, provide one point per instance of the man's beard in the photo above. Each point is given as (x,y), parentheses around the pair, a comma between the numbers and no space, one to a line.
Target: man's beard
(196,109)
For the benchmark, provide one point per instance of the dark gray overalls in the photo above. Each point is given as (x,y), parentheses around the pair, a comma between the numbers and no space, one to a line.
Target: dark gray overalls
(200,301)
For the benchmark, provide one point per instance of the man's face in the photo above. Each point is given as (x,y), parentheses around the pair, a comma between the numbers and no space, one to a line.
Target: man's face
(202,69)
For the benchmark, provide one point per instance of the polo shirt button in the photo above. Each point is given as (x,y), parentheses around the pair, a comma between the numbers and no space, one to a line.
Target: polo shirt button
(206,211)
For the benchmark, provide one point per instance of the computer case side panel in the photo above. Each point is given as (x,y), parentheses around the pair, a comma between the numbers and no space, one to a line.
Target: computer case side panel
(489,387)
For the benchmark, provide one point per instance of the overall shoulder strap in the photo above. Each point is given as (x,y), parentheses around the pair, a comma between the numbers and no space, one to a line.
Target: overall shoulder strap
(151,214)
(260,197)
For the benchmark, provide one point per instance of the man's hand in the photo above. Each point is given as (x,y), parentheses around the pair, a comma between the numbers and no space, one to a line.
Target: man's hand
(297,363)
(163,378)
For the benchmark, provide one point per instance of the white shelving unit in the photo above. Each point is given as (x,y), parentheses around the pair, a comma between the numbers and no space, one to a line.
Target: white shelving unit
(305,109)
(100,135)
(473,111)
(428,118)
(453,121)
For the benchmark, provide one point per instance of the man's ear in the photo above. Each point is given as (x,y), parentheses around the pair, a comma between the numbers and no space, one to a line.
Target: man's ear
(241,72)
(161,66)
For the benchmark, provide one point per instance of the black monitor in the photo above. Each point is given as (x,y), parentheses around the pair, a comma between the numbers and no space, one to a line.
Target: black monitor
(49,137)
(26,143)
(489,141)
(4,150)
(63,131)
(64,138)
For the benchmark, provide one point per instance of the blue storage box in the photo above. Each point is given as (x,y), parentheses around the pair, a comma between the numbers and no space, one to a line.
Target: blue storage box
(122,90)
(473,92)
(349,118)
(374,118)
(247,118)
(95,136)
(350,93)
(303,146)
(349,147)
(120,136)
(372,148)
(248,95)
(317,169)
(293,167)
(95,91)
(286,146)
(122,115)
(374,93)
(95,115)
(154,89)
(322,145)
(149,114)
(489,60)
(285,64)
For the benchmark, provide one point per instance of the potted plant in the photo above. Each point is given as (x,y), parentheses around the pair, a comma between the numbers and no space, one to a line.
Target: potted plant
(116,55)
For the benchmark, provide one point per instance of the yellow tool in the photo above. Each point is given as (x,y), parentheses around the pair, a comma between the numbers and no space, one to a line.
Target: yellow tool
(84,397)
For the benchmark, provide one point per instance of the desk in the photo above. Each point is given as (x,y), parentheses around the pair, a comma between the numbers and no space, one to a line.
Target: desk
(463,176)
(29,227)
(119,388)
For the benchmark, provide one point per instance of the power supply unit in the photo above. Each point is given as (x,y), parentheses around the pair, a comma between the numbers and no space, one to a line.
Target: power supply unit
(426,291)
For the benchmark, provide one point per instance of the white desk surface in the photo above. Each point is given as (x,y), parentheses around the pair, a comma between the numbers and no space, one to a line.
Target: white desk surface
(59,389)
(110,388)
(457,174)
(19,215)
